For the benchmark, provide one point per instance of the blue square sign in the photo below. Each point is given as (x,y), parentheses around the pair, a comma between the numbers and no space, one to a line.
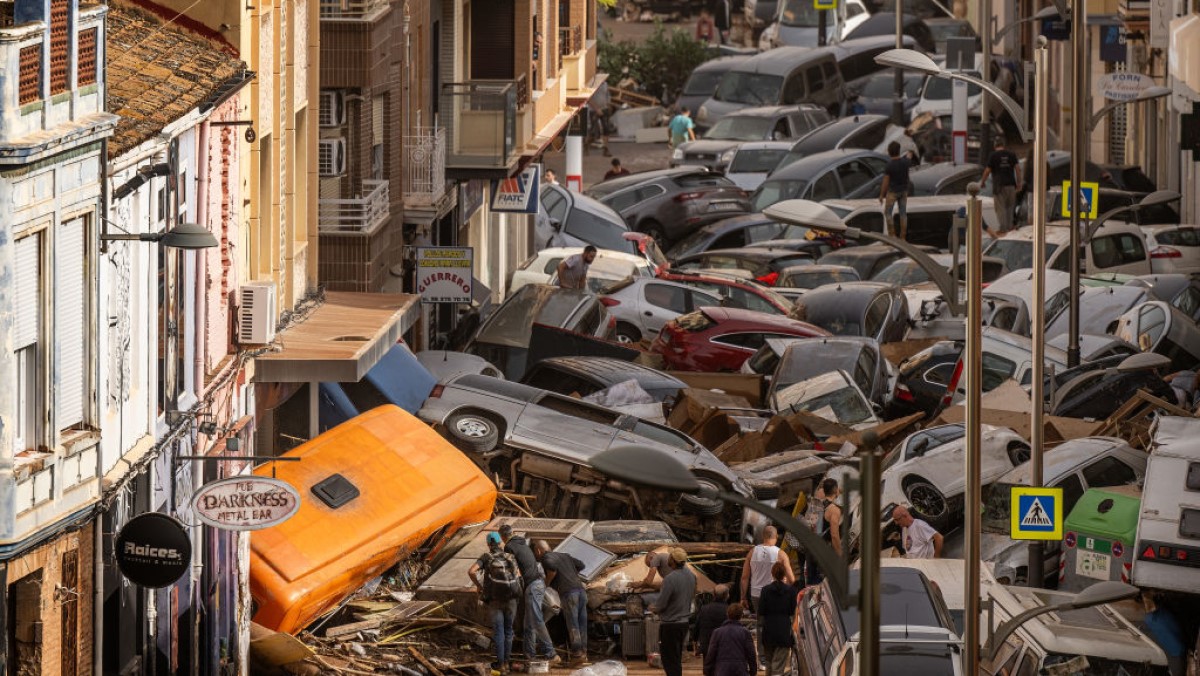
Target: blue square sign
(1036,513)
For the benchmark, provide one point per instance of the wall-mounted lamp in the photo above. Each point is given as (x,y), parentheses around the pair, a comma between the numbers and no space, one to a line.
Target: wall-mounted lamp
(189,236)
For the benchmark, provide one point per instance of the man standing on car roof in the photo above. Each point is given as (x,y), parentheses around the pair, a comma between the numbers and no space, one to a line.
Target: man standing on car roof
(536,636)
(894,190)
(1006,182)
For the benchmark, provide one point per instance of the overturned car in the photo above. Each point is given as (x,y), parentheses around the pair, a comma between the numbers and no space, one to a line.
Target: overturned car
(541,443)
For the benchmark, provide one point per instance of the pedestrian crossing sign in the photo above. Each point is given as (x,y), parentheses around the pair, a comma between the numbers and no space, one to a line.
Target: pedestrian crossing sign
(824,4)
(1091,191)
(1037,513)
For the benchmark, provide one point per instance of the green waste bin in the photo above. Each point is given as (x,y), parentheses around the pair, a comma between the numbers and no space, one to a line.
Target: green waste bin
(1098,537)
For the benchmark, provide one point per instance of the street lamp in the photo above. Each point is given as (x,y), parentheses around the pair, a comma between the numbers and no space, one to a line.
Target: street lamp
(819,217)
(1147,94)
(641,466)
(1152,200)
(910,59)
(188,236)
(1095,595)
(1049,12)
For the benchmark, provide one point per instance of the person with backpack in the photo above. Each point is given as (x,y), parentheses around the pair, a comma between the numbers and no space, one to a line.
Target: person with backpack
(536,637)
(498,578)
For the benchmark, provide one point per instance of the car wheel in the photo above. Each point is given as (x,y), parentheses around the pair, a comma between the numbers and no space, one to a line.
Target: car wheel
(1018,453)
(927,502)
(626,333)
(472,432)
(702,506)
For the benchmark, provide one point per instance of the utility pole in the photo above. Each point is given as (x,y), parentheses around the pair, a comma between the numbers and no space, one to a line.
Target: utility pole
(898,90)
(1034,571)
(973,428)
(985,73)
(1079,126)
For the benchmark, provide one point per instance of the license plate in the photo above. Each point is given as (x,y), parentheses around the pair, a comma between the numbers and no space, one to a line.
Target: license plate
(723,206)
(1092,564)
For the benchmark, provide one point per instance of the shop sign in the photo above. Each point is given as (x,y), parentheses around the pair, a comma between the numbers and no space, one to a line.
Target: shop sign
(245,502)
(444,273)
(518,194)
(1123,85)
(153,550)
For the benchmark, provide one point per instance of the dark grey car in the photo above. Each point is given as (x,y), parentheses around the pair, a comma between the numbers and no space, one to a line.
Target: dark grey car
(703,81)
(835,173)
(669,204)
(944,178)
(868,309)
(860,357)
(588,375)
(715,149)
(865,132)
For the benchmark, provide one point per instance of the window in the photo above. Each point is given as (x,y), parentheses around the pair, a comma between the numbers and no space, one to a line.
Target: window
(70,319)
(763,232)
(733,240)
(161,198)
(673,298)
(550,378)
(825,188)
(27,335)
(867,137)
(815,80)
(552,266)
(751,301)
(869,221)
(1188,302)
(748,341)
(996,370)
(87,57)
(940,374)
(31,74)
(1108,471)
(1072,491)
(700,300)
(853,175)
(59,37)
(589,323)
(331,157)
(555,205)
(877,313)
(622,201)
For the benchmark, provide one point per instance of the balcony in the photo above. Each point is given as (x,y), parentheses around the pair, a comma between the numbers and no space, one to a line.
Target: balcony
(570,41)
(483,115)
(359,216)
(424,167)
(364,10)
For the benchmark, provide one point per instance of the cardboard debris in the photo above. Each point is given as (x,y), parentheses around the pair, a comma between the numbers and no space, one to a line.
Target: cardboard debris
(890,433)
(698,414)
(272,649)
(1009,406)
(796,472)
(1133,420)
(900,350)
(780,434)
(747,386)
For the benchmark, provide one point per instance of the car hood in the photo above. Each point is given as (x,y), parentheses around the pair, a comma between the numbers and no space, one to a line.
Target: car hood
(944,467)
(714,146)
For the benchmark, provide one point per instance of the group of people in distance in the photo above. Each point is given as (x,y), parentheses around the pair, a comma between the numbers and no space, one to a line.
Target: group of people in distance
(513,571)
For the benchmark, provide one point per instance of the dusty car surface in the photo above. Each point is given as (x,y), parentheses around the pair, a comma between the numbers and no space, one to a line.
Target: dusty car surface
(868,309)
(860,357)
(722,339)
(832,395)
(763,263)
(541,443)
(587,375)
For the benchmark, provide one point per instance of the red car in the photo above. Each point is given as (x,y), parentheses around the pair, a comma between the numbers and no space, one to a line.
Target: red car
(720,339)
(741,292)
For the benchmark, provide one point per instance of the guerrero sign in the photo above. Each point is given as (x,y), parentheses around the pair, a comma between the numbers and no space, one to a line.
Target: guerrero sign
(153,550)
(245,503)
(444,273)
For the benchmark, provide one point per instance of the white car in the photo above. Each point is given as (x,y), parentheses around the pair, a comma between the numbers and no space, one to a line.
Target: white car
(1173,248)
(833,396)
(609,266)
(1115,247)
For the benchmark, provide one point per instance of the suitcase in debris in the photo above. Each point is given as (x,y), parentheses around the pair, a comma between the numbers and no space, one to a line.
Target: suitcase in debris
(633,638)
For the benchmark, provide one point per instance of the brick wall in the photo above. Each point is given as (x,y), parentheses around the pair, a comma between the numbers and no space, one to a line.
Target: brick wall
(224,214)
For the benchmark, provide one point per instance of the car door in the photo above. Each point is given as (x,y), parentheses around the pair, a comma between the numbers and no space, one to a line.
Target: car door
(564,427)
(661,302)
(858,180)
(555,204)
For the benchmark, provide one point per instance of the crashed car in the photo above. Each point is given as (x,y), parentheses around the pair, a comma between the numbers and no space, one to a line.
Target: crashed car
(541,443)
(860,357)
(832,396)
(586,376)
(722,339)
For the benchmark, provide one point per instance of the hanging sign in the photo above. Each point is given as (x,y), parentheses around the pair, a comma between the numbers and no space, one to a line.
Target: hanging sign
(153,550)
(518,194)
(245,502)
(444,274)
(1123,85)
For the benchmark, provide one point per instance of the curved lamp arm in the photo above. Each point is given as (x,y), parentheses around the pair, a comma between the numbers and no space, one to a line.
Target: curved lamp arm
(1149,94)
(1014,109)
(944,280)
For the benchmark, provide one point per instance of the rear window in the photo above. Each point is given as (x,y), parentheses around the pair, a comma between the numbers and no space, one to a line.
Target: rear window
(756,161)
(702,181)
(694,322)
(593,229)
(754,89)
(1189,524)
(702,83)
(1180,237)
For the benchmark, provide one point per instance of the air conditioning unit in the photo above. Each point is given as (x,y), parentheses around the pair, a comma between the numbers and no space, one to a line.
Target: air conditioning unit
(256,313)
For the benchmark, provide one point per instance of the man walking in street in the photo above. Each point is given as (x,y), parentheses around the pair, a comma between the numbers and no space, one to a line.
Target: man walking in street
(1002,167)
(710,616)
(894,190)
(776,607)
(674,610)
(496,575)
(682,128)
(919,539)
(536,637)
(562,574)
(756,571)
(617,170)
(573,270)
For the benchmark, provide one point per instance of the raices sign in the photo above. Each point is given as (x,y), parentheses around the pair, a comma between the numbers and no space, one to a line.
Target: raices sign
(245,503)
(153,550)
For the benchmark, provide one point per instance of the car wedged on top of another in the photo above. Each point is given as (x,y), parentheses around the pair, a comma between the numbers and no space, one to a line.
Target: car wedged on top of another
(722,339)
(669,204)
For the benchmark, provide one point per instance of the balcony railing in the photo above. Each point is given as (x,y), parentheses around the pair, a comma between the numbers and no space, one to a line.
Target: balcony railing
(570,40)
(355,216)
(424,166)
(351,9)
(482,132)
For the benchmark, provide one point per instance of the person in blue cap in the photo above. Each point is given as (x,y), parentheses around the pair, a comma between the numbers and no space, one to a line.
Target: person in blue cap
(498,578)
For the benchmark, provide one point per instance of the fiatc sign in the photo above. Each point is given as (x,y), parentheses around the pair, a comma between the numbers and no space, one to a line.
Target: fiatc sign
(153,550)
(518,194)
(245,502)
(444,274)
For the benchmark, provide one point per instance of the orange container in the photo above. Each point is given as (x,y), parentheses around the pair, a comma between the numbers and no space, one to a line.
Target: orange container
(414,491)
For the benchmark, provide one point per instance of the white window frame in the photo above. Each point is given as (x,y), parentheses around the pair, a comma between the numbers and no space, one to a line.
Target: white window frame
(331,157)
(29,432)
(333,108)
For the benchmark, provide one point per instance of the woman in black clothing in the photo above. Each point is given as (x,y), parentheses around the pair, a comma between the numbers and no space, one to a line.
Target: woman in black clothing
(777,606)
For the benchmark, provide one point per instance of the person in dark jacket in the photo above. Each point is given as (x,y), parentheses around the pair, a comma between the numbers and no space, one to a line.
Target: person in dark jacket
(731,649)
(776,607)
(711,616)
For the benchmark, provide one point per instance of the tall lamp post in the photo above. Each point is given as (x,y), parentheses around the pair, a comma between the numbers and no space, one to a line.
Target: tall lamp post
(1078,159)
(639,466)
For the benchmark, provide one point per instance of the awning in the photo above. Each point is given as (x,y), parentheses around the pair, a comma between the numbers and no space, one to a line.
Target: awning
(341,340)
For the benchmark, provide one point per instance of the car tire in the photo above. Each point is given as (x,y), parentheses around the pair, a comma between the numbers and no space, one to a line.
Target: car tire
(472,432)
(1018,453)
(928,503)
(626,333)
(701,506)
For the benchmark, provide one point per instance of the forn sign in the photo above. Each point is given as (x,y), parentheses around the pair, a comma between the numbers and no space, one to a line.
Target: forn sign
(245,503)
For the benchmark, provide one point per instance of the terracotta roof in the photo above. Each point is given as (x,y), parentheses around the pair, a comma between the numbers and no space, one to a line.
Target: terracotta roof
(157,72)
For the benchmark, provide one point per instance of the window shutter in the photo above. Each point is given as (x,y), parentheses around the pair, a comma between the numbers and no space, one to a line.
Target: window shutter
(493,27)
(28,291)
(70,308)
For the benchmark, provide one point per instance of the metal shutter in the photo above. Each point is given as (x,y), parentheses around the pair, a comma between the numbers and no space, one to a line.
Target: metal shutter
(493,29)
(28,291)
(70,308)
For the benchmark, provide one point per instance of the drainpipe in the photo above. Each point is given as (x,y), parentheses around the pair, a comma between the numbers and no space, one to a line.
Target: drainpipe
(98,541)
(201,197)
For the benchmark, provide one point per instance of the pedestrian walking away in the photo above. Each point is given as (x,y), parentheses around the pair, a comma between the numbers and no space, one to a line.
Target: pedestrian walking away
(710,616)
(682,128)
(562,574)
(496,575)
(731,651)
(756,570)
(674,610)
(830,527)
(776,607)
(894,190)
(1006,182)
(536,637)
(723,18)
(573,270)
(617,170)
(919,539)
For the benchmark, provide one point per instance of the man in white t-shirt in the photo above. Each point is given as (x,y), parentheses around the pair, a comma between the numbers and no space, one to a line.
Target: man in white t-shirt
(573,270)
(919,539)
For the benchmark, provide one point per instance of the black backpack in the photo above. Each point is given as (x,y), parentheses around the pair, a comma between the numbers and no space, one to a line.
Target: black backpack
(502,579)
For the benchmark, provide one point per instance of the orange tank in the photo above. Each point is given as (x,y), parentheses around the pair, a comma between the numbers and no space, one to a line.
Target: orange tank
(403,489)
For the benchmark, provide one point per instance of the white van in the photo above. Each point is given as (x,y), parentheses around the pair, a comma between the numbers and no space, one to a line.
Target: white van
(1115,247)
(1167,555)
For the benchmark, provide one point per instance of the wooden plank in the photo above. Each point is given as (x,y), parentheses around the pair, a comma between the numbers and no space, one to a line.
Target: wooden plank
(424,662)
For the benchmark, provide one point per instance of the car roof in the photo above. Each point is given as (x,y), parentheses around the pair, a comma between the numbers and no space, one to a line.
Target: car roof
(841,297)
(735,222)
(722,63)
(1019,283)
(818,162)
(722,315)
(601,254)
(817,268)
(764,145)
(868,251)
(614,184)
(770,111)
(781,60)
(754,253)
(917,203)
(614,371)
(940,171)
(1062,459)
(839,129)
(904,600)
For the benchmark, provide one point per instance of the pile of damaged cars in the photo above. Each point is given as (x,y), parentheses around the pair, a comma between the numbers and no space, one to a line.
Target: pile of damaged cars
(763,390)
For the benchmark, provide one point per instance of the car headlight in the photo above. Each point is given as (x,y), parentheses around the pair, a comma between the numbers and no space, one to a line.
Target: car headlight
(727,156)
(702,114)
(678,154)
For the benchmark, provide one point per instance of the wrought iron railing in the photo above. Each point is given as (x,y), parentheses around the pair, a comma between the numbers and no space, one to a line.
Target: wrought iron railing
(481,118)
(424,166)
(350,9)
